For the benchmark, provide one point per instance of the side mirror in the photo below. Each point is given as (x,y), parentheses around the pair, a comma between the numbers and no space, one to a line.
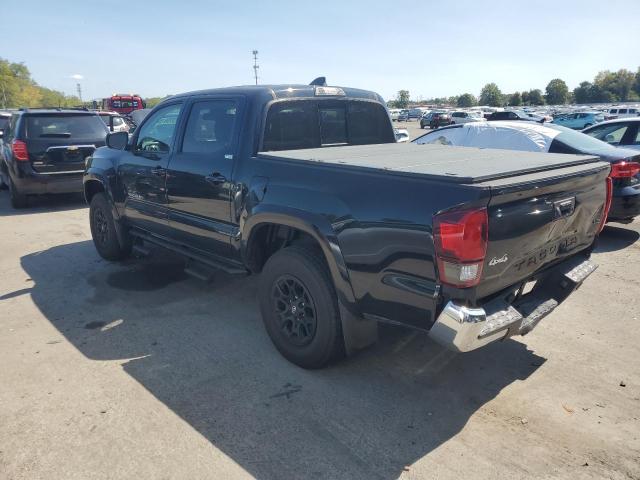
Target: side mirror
(1,133)
(118,140)
(609,138)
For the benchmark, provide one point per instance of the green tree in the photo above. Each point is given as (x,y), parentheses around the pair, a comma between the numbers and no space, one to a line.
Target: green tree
(535,97)
(583,92)
(402,99)
(153,101)
(515,99)
(466,100)
(557,92)
(491,95)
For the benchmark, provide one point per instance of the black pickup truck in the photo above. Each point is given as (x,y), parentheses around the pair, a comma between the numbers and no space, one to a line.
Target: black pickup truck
(306,185)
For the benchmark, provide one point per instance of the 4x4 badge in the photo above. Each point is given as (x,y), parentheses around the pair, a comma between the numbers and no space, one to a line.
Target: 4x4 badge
(495,261)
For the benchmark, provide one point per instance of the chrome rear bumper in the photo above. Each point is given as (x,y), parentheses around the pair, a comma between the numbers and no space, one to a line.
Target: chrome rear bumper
(461,328)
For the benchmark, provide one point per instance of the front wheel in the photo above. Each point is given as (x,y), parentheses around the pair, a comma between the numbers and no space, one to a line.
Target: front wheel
(103,230)
(300,308)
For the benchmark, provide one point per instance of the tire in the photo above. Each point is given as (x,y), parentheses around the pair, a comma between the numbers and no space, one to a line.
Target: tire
(103,230)
(296,279)
(18,200)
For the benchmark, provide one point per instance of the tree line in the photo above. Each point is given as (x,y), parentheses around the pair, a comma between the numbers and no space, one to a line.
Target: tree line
(18,89)
(606,87)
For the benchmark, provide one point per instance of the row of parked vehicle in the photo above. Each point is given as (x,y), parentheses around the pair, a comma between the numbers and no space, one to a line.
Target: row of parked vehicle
(43,150)
(308,186)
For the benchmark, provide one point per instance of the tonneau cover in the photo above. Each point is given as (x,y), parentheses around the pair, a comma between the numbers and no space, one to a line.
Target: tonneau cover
(441,162)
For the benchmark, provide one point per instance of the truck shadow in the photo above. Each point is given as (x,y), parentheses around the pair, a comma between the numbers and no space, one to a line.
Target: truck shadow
(616,238)
(201,350)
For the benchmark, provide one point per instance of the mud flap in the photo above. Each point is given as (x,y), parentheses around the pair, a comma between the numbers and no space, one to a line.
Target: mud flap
(358,333)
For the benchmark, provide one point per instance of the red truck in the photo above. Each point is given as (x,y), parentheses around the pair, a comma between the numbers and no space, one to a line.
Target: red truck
(123,103)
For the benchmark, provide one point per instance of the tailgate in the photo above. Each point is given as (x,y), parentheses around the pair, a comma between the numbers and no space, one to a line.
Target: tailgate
(59,158)
(537,220)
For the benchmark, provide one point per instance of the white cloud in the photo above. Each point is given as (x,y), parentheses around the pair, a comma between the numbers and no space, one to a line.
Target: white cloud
(77,76)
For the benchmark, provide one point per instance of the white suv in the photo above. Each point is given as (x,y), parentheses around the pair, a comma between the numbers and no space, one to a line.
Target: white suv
(465,117)
(622,112)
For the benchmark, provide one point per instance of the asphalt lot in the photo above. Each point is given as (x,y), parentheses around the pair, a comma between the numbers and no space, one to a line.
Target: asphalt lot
(134,370)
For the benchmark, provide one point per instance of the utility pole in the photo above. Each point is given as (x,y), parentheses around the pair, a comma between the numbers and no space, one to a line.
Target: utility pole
(255,65)
(79,91)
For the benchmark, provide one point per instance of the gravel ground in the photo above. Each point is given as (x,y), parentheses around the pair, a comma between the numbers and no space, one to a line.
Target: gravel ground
(134,370)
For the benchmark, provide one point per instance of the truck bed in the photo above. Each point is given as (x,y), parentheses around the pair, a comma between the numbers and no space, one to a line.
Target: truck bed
(464,165)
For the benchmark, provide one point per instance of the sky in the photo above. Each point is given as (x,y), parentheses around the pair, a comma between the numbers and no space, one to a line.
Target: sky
(431,48)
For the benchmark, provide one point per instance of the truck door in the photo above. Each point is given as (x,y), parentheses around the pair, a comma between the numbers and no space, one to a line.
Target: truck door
(143,170)
(199,177)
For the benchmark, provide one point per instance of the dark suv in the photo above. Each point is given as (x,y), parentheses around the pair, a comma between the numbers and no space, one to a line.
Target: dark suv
(44,150)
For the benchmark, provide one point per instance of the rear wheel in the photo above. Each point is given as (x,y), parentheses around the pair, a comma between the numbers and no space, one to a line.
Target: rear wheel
(299,307)
(103,230)
(18,199)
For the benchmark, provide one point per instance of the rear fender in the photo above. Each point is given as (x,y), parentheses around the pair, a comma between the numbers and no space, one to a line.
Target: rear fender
(357,331)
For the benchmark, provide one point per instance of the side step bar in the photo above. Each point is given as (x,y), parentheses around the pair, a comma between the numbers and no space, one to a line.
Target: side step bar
(192,256)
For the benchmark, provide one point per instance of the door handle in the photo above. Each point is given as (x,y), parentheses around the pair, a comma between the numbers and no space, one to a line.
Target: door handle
(158,171)
(215,178)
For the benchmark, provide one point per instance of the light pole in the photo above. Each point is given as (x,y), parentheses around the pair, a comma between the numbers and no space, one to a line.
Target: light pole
(255,65)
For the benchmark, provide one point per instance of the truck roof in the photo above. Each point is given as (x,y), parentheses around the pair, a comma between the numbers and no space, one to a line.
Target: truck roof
(464,165)
(280,92)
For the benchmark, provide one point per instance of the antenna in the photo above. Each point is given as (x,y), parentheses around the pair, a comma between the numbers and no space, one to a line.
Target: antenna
(255,65)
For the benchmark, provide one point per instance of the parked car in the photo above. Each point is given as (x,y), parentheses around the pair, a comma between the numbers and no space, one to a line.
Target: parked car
(393,114)
(461,117)
(44,151)
(402,135)
(403,116)
(511,115)
(4,121)
(415,113)
(622,112)
(438,119)
(551,138)
(114,121)
(250,179)
(624,132)
(579,120)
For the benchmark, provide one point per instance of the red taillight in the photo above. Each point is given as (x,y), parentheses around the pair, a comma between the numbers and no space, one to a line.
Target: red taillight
(607,204)
(625,169)
(460,239)
(19,149)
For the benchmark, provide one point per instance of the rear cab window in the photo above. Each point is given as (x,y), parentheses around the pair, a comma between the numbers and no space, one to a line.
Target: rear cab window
(300,124)
(76,126)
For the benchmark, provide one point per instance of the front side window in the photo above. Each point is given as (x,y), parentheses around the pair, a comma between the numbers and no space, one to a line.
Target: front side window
(622,111)
(612,133)
(156,133)
(211,127)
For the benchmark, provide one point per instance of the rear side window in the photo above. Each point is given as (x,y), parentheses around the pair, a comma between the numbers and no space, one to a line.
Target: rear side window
(79,127)
(210,127)
(4,121)
(622,110)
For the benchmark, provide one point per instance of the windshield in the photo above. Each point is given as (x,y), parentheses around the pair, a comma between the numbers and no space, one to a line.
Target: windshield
(581,141)
(80,127)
